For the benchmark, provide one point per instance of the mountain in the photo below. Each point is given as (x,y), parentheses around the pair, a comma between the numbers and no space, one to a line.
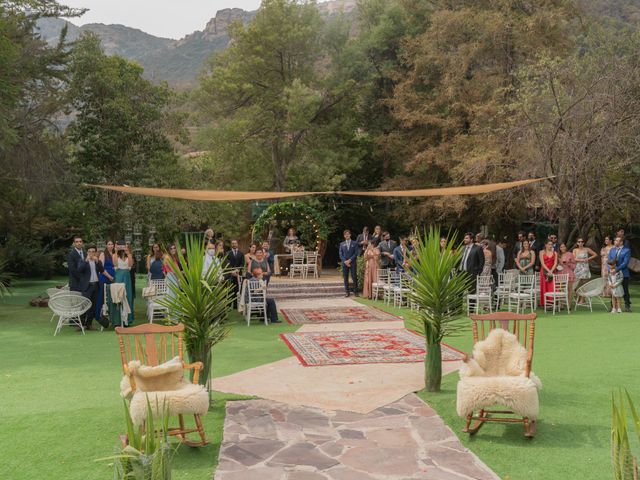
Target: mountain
(176,61)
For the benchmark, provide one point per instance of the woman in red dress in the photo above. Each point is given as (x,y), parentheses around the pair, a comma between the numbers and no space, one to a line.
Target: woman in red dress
(549,263)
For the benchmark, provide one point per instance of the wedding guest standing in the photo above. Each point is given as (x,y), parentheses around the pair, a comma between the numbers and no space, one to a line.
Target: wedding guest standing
(567,265)
(525,260)
(248,258)
(371,259)
(376,237)
(74,257)
(349,258)
(235,261)
(208,237)
(291,240)
(473,259)
(363,240)
(622,254)
(90,269)
(386,247)
(548,265)
(583,256)
(155,263)
(123,261)
(171,260)
(268,254)
(489,257)
(614,282)
(106,277)
(401,255)
(604,264)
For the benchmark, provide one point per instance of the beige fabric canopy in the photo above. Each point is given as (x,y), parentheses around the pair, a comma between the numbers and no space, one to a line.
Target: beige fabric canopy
(227,195)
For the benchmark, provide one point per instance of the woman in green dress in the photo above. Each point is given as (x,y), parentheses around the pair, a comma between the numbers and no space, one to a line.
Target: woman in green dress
(526,259)
(122,261)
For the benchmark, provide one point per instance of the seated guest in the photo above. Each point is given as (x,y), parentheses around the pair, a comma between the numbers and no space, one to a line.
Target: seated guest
(291,240)
(400,255)
(155,262)
(259,261)
(257,280)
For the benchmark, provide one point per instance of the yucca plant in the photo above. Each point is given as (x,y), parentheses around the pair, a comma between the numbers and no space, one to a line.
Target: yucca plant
(201,301)
(5,278)
(439,293)
(625,464)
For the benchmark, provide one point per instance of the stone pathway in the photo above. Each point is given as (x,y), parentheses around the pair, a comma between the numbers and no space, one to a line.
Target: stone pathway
(405,440)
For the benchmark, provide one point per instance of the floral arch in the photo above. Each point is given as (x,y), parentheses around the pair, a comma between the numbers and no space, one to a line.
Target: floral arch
(309,222)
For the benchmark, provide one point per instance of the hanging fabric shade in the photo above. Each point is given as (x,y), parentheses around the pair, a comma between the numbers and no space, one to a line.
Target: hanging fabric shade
(227,195)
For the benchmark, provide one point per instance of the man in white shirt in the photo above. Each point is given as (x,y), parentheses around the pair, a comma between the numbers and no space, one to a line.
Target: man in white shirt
(89,269)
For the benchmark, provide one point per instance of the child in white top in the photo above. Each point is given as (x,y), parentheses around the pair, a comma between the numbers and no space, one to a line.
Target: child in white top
(614,281)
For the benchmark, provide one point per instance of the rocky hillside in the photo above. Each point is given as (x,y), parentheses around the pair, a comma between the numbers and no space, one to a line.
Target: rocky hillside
(177,61)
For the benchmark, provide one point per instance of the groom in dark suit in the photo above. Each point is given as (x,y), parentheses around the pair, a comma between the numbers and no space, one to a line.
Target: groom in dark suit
(349,259)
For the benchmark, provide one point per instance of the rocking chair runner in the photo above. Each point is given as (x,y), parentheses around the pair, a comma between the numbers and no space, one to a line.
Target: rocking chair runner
(524,385)
(160,346)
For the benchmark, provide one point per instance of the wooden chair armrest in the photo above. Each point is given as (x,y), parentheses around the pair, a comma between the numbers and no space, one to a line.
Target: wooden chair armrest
(196,367)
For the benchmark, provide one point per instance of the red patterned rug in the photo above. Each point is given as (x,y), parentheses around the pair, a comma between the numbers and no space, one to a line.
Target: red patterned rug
(365,346)
(299,316)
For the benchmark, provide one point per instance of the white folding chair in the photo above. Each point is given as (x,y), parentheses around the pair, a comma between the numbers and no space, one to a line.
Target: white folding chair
(69,308)
(593,289)
(311,264)
(387,289)
(154,309)
(256,302)
(559,297)
(506,285)
(524,295)
(382,279)
(402,291)
(482,296)
(297,265)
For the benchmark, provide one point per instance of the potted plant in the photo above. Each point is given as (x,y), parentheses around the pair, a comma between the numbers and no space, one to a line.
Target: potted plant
(439,291)
(200,300)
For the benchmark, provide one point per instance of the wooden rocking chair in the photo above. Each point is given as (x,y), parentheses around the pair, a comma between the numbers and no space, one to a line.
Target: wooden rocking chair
(152,345)
(523,327)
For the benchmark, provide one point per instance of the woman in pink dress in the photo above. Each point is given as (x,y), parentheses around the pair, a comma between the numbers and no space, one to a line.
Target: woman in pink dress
(371,259)
(548,264)
(567,265)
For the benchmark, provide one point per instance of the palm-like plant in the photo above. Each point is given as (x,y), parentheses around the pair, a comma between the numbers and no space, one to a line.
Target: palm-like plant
(625,464)
(439,292)
(201,301)
(5,278)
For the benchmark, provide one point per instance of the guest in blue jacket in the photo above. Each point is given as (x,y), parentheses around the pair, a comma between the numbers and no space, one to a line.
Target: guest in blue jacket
(349,258)
(622,255)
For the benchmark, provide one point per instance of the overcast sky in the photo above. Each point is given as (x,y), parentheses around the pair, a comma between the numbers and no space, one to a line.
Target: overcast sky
(163,18)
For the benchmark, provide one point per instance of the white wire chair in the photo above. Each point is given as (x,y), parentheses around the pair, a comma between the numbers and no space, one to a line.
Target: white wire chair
(51,292)
(154,309)
(69,308)
(382,279)
(559,297)
(310,264)
(256,302)
(524,295)
(591,290)
(297,265)
(482,296)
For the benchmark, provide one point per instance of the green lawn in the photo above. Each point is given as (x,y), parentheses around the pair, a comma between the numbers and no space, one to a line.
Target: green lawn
(61,409)
(580,358)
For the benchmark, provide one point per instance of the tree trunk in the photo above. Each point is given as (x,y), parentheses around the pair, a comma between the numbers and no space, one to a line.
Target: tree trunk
(563,226)
(279,167)
(433,367)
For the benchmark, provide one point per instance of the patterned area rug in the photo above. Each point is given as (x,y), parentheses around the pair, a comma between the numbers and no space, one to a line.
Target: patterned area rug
(300,316)
(366,346)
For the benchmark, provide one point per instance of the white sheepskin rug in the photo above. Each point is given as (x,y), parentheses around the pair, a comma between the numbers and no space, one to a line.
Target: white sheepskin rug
(165,387)
(495,376)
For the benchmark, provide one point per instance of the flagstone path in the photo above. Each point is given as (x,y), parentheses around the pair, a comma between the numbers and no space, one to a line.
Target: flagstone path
(406,440)
(347,422)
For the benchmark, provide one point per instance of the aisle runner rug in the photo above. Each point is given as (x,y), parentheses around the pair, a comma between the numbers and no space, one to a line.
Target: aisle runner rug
(299,316)
(367,346)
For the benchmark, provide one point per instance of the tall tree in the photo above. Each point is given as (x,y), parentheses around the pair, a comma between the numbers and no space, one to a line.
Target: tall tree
(273,90)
